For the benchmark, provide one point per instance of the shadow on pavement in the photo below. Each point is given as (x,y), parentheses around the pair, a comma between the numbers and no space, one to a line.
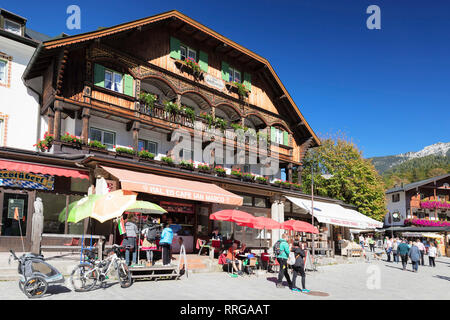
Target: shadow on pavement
(275,280)
(398,268)
(57,289)
(443,277)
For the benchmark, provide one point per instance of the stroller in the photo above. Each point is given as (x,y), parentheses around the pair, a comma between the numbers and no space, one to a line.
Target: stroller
(36,274)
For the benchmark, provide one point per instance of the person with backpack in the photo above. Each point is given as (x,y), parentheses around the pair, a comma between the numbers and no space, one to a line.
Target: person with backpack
(299,266)
(281,250)
(165,243)
(414,254)
(151,233)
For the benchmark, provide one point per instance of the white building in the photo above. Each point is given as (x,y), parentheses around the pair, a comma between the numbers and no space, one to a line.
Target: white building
(19,105)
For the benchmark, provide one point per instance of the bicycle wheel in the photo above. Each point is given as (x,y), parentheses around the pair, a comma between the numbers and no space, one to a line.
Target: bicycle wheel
(83,277)
(124,275)
(35,287)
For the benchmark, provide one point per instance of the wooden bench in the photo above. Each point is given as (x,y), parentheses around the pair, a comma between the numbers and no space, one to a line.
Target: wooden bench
(69,247)
(155,272)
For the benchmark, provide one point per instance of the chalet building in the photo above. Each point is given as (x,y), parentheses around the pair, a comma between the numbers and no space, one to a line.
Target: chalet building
(113,104)
(427,199)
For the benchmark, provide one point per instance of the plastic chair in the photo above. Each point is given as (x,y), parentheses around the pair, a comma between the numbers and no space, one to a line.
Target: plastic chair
(273,263)
(203,244)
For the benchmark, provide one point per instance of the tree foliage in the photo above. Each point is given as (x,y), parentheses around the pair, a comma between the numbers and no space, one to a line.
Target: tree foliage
(355,180)
(416,170)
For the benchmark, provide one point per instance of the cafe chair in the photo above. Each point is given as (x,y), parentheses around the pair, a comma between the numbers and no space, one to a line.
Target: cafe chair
(203,244)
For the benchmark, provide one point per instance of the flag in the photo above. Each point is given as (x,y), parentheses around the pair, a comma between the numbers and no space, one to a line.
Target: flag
(121,226)
(16,213)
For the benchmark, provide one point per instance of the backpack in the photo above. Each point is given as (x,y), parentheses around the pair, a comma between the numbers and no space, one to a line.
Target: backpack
(153,233)
(276,248)
(291,260)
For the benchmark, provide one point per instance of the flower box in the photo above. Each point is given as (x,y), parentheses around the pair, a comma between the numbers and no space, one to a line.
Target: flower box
(261,180)
(188,165)
(167,161)
(204,168)
(248,177)
(220,172)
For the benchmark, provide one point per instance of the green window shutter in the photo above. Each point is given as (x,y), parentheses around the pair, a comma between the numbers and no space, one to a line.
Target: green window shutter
(273,134)
(99,75)
(203,61)
(128,88)
(248,81)
(225,71)
(175,48)
(285,138)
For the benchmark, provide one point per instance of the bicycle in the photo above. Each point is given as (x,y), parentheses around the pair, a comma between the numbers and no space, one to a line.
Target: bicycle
(85,275)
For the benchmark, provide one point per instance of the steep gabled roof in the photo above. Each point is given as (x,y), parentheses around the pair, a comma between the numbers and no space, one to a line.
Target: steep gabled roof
(174,14)
(417,184)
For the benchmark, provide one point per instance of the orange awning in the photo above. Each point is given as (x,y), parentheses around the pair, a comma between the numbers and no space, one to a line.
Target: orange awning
(173,187)
(42,169)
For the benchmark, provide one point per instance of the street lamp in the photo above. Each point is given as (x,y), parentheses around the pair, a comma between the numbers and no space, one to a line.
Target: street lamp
(325,176)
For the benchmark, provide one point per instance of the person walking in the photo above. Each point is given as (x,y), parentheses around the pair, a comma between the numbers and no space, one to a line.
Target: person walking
(131,231)
(361,241)
(372,244)
(432,251)
(282,260)
(421,247)
(165,243)
(388,248)
(414,254)
(402,251)
(394,249)
(299,266)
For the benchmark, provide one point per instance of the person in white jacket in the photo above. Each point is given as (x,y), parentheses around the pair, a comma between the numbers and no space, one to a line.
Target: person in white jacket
(432,251)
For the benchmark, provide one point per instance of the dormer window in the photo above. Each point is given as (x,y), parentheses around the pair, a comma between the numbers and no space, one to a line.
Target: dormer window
(186,52)
(13,27)
(235,76)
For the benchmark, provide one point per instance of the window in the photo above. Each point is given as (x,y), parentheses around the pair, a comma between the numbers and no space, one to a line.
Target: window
(235,75)
(108,138)
(3,71)
(113,81)
(186,52)
(150,146)
(12,27)
(186,154)
(279,136)
(396,197)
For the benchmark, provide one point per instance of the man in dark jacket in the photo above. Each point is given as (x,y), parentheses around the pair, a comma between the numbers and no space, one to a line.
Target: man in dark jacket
(403,250)
(299,266)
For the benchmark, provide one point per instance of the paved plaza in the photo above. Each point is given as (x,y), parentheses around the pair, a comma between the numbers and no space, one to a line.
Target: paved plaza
(367,281)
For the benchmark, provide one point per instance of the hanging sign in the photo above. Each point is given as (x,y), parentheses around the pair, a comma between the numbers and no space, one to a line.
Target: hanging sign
(12,205)
(26,180)
(214,82)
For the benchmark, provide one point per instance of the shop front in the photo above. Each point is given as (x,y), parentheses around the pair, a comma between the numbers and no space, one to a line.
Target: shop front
(188,203)
(27,188)
(334,223)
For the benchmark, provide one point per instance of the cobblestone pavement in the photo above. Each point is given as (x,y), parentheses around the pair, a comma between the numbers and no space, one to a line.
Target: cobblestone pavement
(373,280)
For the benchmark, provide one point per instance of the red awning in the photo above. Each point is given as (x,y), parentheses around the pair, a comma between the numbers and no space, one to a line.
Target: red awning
(42,169)
(173,187)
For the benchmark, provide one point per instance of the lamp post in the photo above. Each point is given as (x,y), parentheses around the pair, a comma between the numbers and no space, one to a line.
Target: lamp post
(325,176)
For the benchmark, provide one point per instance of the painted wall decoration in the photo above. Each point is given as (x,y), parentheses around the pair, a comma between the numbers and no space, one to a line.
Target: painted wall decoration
(26,180)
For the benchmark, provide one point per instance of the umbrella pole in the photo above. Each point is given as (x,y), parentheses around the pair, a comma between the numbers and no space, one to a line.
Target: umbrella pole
(139,239)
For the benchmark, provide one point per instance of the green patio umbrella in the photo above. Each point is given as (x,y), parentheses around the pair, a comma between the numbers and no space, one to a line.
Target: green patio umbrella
(145,207)
(80,209)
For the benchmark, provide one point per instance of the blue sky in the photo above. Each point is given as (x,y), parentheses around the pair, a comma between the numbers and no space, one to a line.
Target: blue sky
(387,89)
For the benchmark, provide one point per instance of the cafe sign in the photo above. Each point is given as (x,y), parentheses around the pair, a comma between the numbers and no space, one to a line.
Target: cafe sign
(26,180)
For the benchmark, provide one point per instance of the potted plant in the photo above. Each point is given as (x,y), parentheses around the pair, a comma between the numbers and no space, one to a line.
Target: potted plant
(125,151)
(248,177)
(144,154)
(71,139)
(241,89)
(220,171)
(148,100)
(209,118)
(168,161)
(261,180)
(204,167)
(221,123)
(236,173)
(171,108)
(97,145)
(189,112)
(283,184)
(296,186)
(187,165)
(196,70)
(46,143)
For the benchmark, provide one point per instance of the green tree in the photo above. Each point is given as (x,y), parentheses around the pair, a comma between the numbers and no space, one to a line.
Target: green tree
(355,180)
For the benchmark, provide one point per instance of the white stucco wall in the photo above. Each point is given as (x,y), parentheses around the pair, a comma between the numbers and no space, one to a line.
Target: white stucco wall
(19,103)
(399,206)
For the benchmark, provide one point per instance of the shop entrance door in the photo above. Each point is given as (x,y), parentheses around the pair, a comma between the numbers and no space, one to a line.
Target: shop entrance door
(13,202)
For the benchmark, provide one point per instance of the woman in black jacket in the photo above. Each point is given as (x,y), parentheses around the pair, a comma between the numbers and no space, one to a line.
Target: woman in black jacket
(299,266)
